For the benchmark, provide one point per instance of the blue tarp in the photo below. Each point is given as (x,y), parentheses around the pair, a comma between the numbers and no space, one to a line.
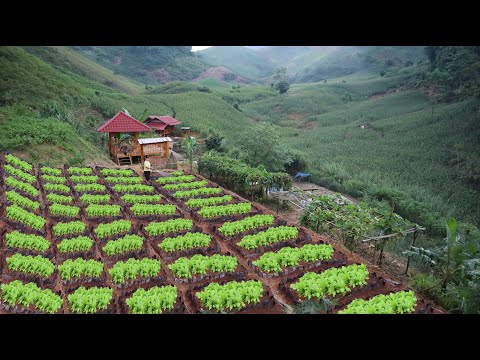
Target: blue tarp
(301,175)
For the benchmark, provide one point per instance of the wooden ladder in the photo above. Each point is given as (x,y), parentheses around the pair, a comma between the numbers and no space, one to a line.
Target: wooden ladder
(125,160)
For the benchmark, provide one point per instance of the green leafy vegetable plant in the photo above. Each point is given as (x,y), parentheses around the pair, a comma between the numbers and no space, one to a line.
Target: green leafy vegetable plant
(29,189)
(17,293)
(21,201)
(200,264)
(169,226)
(331,282)
(267,237)
(16,213)
(184,242)
(152,301)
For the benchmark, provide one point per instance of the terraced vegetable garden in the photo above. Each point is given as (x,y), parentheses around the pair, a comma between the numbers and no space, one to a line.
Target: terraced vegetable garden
(81,240)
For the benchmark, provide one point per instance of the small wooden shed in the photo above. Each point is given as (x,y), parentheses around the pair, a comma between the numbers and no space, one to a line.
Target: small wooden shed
(164,125)
(155,147)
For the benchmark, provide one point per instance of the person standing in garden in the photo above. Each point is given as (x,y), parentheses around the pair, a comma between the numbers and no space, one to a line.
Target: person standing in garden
(146,169)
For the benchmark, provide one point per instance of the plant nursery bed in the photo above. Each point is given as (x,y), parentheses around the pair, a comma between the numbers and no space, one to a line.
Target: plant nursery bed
(21,192)
(239,236)
(57,239)
(266,304)
(240,273)
(26,229)
(111,309)
(87,255)
(145,251)
(75,283)
(153,239)
(31,309)
(375,285)
(211,249)
(225,218)
(8,251)
(8,275)
(178,308)
(338,259)
(302,239)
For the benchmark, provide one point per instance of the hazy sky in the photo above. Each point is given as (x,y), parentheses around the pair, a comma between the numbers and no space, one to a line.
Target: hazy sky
(196,48)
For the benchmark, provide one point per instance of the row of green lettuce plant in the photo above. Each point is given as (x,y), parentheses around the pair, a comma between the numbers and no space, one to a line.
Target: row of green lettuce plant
(132,269)
(25,166)
(153,209)
(197,192)
(18,240)
(51,171)
(189,185)
(222,210)
(175,179)
(169,226)
(90,301)
(116,227)
(269,236)
(90,179)
(95,210)
(22,201)
(16,293)
(80,268)
(140,199)
(20,215)
(184,242)
(68,228)
(155,300)
(199,264)
(20,174)
(287,257)
(20,185)
(196,203)
(141,188)
(54,179)
(232,295)
(34,265)
(74,245)
(64,210)
(117,172)
(82,188)
(402,302)
(57,188)
(253,222)
(331,282)
(123,180)
(123,245)
(79,170)
(95,199)
(53,198)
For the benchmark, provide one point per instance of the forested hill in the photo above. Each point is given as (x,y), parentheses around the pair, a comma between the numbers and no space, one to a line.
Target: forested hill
(312,63)
(151,65)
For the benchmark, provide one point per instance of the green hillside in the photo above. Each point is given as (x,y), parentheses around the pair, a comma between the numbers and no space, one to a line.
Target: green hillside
(241,60)
(62,57)
(151,65)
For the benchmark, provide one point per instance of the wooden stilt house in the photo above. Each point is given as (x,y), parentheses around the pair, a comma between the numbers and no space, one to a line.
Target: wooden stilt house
(124,151)
(164,125)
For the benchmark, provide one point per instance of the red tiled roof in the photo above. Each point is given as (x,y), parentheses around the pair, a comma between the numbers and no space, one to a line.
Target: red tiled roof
(123,123)
(157,125)
(165,119)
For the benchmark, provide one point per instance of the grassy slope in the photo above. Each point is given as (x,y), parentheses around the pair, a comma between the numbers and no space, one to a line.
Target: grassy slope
(239,59)
(147,64)
(404,148)
(44,109)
